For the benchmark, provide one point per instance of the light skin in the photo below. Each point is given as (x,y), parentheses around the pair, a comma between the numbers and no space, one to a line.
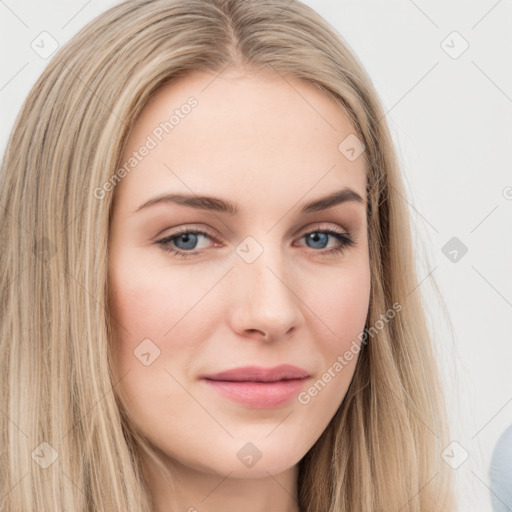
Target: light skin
(271,146)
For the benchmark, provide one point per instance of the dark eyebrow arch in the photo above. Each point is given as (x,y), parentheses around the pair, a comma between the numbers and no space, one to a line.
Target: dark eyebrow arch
(223,206)
(341,196)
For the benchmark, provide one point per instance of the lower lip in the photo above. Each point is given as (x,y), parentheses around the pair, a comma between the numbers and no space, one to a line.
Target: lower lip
(259,394)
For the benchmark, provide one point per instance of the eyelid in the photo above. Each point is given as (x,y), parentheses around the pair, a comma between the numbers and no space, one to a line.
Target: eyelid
(188,228)
(320,226)
(313,226)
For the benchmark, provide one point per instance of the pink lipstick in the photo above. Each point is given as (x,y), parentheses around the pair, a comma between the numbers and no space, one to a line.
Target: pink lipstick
(259,387)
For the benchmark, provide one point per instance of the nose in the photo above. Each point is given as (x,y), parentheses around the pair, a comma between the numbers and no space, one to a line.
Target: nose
(264,303)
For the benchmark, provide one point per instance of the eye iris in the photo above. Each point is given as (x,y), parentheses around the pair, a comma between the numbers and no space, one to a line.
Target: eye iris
(315,237)
(189,238)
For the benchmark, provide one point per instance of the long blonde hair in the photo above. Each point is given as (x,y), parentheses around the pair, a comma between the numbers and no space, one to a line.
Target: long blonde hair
(381,450)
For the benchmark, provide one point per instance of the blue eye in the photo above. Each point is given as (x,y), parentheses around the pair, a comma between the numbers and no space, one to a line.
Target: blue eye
(185,242)
(318,237)
(189,238)
(321,237)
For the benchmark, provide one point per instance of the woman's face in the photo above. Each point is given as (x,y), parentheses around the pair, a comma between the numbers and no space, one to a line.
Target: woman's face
(263,286)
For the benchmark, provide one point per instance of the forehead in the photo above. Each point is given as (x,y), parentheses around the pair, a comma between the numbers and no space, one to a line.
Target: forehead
(243,134)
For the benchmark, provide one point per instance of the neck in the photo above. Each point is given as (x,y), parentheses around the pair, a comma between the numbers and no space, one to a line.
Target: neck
(190,490)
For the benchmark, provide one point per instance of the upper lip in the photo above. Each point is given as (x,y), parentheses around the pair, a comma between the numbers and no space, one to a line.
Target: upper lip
(259,374)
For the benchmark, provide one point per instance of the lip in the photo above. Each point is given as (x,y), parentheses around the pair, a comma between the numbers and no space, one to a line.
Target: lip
(259,387)
(260,374)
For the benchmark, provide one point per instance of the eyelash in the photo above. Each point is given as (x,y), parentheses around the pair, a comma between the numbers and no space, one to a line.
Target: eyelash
(344,239)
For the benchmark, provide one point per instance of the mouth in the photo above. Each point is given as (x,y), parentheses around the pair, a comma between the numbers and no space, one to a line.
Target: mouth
(260,374)
(259,387)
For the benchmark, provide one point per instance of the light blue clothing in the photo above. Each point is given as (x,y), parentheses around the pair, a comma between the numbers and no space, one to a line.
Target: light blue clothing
(500,473)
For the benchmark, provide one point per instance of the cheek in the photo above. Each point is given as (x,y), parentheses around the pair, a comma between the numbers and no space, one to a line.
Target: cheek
(344,306)
(157,335)
(340,317)
(151,300)
(160,304)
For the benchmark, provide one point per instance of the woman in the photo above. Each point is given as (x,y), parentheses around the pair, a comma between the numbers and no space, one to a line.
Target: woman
(279,359)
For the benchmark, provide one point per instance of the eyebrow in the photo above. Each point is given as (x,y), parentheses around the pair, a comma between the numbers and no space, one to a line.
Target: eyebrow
(224,206)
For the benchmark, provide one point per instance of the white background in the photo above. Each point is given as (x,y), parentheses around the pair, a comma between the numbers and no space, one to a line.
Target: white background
(450,118)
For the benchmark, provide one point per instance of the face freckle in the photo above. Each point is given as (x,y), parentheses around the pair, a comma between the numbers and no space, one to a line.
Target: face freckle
(261,289)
